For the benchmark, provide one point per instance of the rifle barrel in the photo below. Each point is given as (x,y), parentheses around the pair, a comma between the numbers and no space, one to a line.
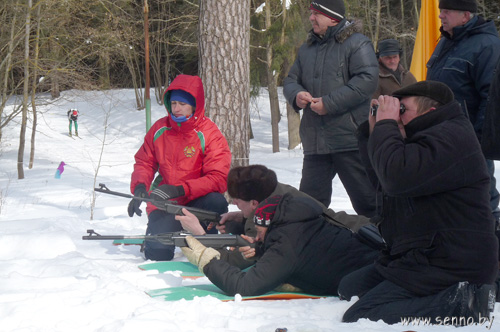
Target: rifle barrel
(178,239)
(168,206)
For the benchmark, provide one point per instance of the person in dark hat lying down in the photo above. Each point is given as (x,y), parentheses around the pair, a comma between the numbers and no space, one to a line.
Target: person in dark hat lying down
(441,257)
(298,251)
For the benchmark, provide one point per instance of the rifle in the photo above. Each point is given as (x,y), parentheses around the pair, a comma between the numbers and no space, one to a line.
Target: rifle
(178,239)
(169,207)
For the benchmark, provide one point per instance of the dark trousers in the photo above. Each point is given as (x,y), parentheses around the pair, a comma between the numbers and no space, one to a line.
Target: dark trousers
(382,299)
(161,222)
(318,171)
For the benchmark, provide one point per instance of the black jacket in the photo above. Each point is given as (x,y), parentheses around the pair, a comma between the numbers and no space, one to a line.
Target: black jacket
(300,248)
(465,62)
(436,218)
(341,218)
(341,68)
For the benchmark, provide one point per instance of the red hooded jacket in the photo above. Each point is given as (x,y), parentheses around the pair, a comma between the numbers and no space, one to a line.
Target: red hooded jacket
(193,154)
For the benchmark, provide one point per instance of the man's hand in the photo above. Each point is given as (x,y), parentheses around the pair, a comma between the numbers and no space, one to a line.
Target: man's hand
(318,107)
(247,252)
(190,223)
(234,216)
(388,108)
(303,98)
(133,206)
(197,254)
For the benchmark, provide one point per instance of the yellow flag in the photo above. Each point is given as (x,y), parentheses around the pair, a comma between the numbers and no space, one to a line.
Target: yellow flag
(427,38)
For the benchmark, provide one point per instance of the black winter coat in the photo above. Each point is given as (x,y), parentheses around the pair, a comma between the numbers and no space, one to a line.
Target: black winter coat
(436,218)
(341,68)
(300,248)
(341,218)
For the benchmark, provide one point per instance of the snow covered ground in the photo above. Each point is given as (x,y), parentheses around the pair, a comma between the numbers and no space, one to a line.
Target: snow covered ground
(52,280)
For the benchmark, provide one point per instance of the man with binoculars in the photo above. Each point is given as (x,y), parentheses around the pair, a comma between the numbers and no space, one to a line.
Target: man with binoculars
(441,257)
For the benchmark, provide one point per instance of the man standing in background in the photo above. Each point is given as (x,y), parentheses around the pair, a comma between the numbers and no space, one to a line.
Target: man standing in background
(332,80)
(465,59)
(392,76)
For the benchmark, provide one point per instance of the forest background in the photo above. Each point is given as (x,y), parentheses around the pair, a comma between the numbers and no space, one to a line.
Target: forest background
(235,46)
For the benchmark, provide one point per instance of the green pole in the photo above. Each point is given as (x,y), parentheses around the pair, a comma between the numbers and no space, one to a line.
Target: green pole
(148,114)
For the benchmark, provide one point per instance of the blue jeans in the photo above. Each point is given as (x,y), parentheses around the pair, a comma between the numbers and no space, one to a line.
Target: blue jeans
(160,222)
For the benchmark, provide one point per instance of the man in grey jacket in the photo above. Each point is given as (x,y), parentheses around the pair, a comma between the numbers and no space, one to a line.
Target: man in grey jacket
(332,80)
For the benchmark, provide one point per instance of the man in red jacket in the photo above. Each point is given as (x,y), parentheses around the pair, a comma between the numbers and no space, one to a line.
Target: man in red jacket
(191,156)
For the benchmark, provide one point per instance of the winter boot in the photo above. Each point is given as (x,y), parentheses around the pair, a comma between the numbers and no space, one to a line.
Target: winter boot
(473,300)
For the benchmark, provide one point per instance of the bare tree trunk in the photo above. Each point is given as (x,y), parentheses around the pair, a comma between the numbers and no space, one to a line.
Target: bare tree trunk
(33,88)
(131,61)
(292,116)
(99,162)
(404,43)
(417,12)
(7,64)
(104,78)
(272,84)
(368,19)
(377,23)
(22,136)
(54,80)
(293,127)
(224,66)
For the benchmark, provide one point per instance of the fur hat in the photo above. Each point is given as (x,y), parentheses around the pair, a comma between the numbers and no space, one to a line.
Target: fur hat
(434,90)
(334,9)
(254,182)
(462,5)
(388,47)
(264,213)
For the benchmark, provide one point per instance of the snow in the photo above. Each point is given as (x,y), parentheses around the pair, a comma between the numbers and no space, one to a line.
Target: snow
(52,280)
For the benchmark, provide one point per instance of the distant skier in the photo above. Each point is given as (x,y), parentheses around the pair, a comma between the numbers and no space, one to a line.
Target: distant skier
(73,117)
(60,169)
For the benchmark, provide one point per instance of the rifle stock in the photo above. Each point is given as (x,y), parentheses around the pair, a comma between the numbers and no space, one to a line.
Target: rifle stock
(178,239)
(169,207)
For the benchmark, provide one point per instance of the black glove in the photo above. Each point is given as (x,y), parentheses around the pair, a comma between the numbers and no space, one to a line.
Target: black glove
(133,206)
(166,192)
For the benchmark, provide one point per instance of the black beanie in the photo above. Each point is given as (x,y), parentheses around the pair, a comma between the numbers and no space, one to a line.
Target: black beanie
(334,9)
(462,5)
(434,90)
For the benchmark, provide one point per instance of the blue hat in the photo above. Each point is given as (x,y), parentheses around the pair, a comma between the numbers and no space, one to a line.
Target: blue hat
(183,97)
